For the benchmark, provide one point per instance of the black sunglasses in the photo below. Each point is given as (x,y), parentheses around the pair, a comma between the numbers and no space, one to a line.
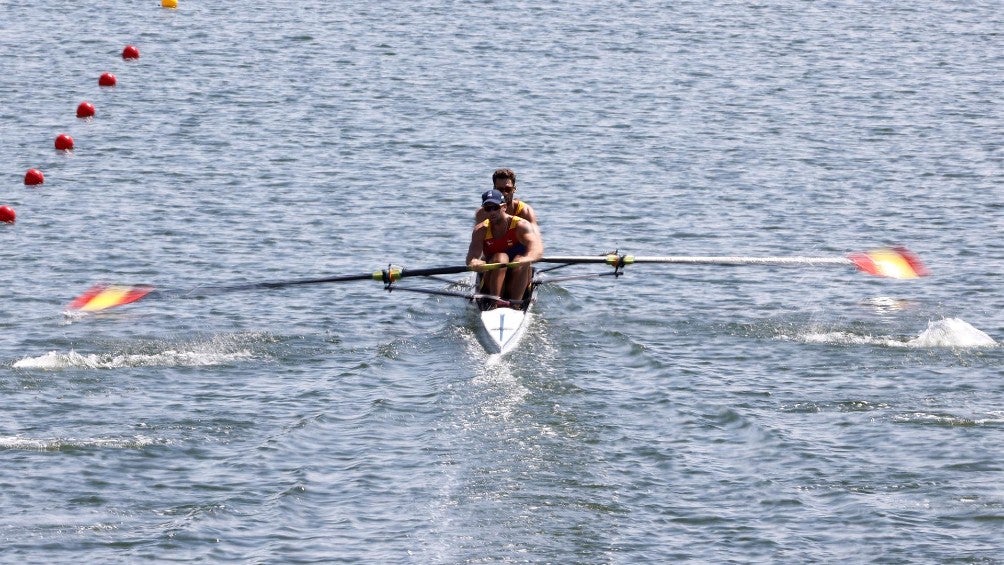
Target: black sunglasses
(490,207)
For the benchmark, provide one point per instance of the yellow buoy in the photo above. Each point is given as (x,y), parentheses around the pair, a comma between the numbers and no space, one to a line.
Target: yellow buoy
(169,3)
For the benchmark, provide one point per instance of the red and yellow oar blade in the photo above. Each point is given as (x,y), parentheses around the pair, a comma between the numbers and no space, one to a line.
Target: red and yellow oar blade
(892,262)
(103,296)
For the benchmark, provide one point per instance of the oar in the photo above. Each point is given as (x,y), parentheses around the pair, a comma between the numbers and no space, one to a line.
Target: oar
(893,262)
(466,295)
(104,296)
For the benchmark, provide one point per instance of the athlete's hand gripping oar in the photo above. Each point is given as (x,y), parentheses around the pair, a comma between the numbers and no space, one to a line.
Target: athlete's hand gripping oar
(104,296)
(893,262)
(485,267)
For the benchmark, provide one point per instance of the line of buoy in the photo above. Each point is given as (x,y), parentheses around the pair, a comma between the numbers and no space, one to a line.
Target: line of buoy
(85,110)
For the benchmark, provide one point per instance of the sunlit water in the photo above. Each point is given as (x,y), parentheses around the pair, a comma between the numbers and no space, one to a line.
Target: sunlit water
(712,414)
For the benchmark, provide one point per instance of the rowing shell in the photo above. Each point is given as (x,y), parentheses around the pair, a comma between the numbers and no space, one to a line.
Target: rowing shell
(502,328)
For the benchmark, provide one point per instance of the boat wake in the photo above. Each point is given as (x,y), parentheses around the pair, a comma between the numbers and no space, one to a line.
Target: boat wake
(948,332)
(219,350)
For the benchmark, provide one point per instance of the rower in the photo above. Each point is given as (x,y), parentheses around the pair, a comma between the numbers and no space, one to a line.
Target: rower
(504,181)
(504,238)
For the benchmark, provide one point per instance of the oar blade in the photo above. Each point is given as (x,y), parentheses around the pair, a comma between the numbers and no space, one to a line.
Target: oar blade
(103,296)
(891,262)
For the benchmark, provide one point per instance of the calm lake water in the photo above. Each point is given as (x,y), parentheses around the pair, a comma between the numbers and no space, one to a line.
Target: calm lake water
(677,413)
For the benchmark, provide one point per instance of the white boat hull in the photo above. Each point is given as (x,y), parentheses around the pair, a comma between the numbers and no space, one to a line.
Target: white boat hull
(501,329)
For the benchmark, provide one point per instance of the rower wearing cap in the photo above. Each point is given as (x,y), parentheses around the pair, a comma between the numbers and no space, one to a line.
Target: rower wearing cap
(504,238)
(504,181)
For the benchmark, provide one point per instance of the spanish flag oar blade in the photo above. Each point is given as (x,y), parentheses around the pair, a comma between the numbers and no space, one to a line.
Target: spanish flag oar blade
(103,296)
(892,262)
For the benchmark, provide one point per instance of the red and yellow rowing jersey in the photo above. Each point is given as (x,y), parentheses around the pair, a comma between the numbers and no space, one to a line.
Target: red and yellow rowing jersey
(503,244)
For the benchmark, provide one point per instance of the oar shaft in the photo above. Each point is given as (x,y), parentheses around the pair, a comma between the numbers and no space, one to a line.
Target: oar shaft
(892,262)
(698,260)
(296,282)
(467,295)
(434,271)
(740,260)
(387,275)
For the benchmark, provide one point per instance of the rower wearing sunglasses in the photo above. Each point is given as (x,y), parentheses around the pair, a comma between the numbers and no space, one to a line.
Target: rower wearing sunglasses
(504,238)
(504,181)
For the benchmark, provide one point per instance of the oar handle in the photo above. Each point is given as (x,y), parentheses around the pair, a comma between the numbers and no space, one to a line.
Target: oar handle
(496,266)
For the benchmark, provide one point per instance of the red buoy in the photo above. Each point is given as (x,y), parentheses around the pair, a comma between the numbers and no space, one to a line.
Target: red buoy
(130,52)
(33,177)
(7,215)
(64,142)
(85,110)
(106,79)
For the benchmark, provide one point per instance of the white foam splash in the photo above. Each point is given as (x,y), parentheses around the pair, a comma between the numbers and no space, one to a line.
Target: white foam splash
(58,444)
(55,360)
(951,332)
(847,338)
(944,419)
